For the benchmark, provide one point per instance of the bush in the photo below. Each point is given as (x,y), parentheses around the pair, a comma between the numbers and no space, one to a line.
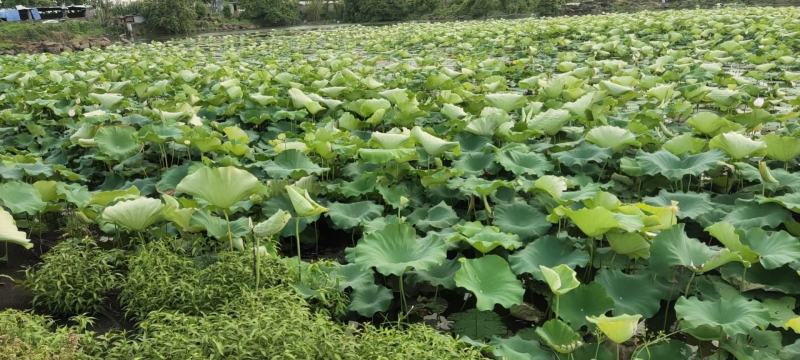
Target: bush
(25,336)
(271,12)
(417,341)
(75,277)
(171,16)
(161,279)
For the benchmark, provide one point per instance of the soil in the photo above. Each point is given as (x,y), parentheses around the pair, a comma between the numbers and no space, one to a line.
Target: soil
(58,45)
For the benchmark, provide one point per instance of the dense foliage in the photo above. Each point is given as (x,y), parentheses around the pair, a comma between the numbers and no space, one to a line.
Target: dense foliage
(557,188)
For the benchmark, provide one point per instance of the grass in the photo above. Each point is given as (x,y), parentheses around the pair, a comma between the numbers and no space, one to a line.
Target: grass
(18,32)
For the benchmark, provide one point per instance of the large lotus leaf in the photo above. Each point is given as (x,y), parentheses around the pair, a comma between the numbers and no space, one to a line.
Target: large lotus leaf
(9,232)
(782,148)
(108,100)
(517,348)
(586,300)
(559,336)
(736,145)
(780,310)
(439,275)
(392,139)
(632,293)
(549,122)
(354,276)
(521,219)
(362,184)
(670,349)
(774,249)
(347,216)
(789,201)
(135,215)
(614,88)
(117,142)
(396,248)
(582,155)
(217,227)
(674,248)
(485,238)
(477,186)
(711,124)
(617,328)
(382,156)
(273,225)
(491,280)
(553,185)
(732,316)
(474,163)
(690,204)
(20,197)
(684,144)
(221,187)
(439,216)
(633,245)
(302,202)
(727,235)
(520,160)
(506,101)
(561,279)
(432,144)
(301,100)
(478,325)
(291,163)
(782,279)
(611,137)
(750,214)
(171,177)
(547,251)
(675,168)
(594,222)
(368,300)
(104,198)
(453,111)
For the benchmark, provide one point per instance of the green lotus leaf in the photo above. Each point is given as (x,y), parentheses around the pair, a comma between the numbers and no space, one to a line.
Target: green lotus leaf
(9,232)
(439,216)
(453,112)
(780,310)
(561,279)
(521,219)
(369,107)
(506,101)
(520,160)
(347,216)
(117,142)
(171,177)
(135,215)
(477,186)
(549,122)
(789,201)
(633,245)
(706,319)
(553,185)
(439,275)
(368,300)
(615,89)
(395,248)
(723,97)
(354,276)
(221,187)
(363,183)
(393,139)
(382,156)
(684,144)
(774,249)
(517,348)
(47,190)
(726,234)
(474,163)
(582,155)
(611,137)
(291,163)
(104,198)
(273,225)
(594,222)
(711,124)
(485,238)
(691,205)
(559,336)
(618,328)
(182,217)
(675,168)
(782,148)
(632,293)
(663,92)
(491,281)
(670,349)
(432,144)
(302,202)
(751,214)
(547,251)
(107,101)
(736,145)
(586,300)
(301,100)
(217,227)
(19,197)
(673,247)
(478,325)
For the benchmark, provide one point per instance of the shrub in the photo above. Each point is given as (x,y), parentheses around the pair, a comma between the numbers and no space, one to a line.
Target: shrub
(171,16)
(271,12)
(161,279)
(75,277)
(26,336)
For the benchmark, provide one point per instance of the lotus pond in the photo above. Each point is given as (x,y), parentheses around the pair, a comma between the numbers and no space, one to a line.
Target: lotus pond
(599,187)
